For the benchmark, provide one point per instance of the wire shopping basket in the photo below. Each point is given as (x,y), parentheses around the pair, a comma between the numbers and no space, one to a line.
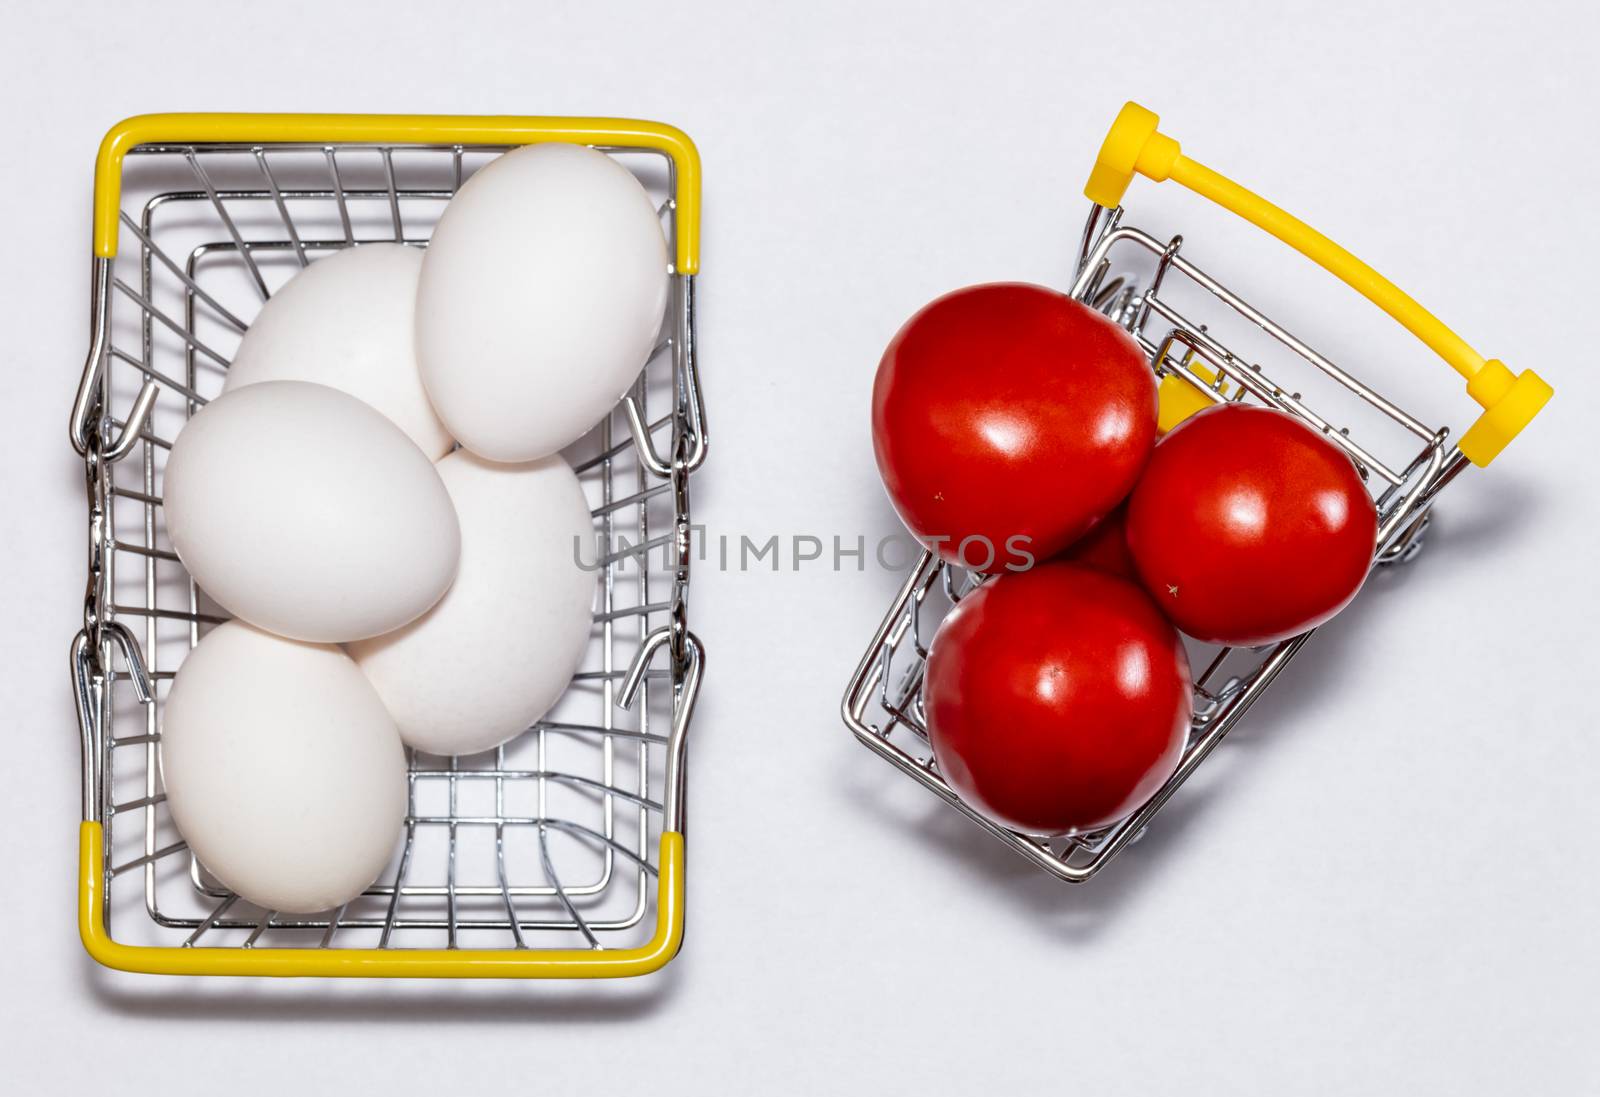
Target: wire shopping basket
(560,854)
(1173,315)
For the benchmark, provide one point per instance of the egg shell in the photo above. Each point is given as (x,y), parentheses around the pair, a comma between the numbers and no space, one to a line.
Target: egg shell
(348,321)
(282,768)
(540,298)
(305,512)
(499,648)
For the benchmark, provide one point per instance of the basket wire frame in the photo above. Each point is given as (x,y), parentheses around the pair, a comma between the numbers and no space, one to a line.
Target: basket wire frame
(549,842)
(882,704)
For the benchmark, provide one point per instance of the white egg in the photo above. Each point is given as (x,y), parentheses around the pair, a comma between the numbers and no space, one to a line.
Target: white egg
(348,321)
(541,296)
(283,770)
(500,647)
(305,512)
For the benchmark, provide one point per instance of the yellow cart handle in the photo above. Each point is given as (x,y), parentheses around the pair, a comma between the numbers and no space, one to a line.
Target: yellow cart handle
(429,129)
(408,963)
(1135,146)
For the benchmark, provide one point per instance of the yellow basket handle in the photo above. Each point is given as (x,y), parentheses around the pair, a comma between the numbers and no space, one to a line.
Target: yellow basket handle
(1135,146)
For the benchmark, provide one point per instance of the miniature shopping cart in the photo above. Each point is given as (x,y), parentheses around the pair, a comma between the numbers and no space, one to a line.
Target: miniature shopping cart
(560,854)
(1174,313)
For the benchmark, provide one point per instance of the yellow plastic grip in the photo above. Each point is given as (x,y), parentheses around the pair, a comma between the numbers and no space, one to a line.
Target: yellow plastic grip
(428,129)
(1178,397)
(1135,146)
(381,963)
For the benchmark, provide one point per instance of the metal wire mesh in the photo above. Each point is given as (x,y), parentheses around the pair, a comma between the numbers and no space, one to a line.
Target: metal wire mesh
(1177,313)
(547,842)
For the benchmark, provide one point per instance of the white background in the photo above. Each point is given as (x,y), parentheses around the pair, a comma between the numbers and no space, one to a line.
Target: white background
(1383,883)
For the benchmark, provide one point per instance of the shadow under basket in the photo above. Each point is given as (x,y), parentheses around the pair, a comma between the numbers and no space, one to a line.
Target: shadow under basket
(560,854)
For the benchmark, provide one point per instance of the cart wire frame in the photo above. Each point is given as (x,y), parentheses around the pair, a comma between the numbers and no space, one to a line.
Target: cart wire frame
(261,190)
(882,704)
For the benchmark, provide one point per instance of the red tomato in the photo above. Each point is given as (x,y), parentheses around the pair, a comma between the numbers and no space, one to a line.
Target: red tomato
(1105,547)
(1249,527)
(1010,411)
(1058,699)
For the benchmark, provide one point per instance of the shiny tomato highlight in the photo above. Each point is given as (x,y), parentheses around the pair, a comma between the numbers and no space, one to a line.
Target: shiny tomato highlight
(1058,699)
(1249,527)
(1007,411)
